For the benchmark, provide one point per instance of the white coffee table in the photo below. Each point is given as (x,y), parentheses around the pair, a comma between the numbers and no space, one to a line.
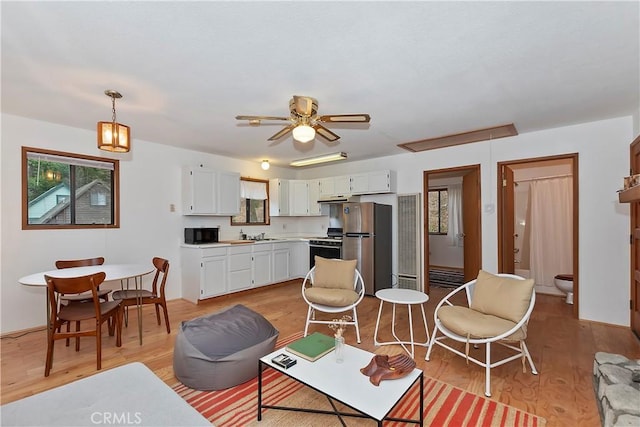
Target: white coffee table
(406,297)
(343,382)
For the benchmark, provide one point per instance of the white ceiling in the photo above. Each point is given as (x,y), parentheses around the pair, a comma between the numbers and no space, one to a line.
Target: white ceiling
(420,69)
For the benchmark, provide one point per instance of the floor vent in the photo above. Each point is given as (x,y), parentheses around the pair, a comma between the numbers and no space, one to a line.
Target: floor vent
(409,253)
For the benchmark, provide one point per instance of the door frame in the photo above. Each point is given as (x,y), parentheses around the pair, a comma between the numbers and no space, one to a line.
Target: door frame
(425,207)
(573,157)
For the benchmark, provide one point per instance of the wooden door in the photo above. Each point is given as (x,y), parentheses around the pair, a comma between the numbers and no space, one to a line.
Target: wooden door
(635,245)
(507,214)
(471,223)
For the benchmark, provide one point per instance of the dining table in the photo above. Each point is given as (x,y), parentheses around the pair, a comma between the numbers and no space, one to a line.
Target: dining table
(113,272)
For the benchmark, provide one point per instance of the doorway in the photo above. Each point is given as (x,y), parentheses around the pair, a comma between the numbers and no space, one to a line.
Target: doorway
(459,248)
(538,221)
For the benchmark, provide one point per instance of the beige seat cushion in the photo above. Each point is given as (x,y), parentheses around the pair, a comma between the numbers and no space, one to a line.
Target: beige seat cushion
(467,322)
(334,273)
(331,297)
(502,297)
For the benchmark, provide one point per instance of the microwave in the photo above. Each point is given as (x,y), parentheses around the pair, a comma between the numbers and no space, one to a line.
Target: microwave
(200,236)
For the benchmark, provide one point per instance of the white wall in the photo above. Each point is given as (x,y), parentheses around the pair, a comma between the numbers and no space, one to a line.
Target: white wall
(150,182)
(603,151)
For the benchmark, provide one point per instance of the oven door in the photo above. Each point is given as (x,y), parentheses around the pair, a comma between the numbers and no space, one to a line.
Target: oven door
(324,252)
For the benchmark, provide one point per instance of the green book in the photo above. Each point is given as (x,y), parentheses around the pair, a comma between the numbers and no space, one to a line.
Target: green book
(312,347)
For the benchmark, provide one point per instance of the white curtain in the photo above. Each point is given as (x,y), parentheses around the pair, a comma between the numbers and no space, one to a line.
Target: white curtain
(551,229)
(253,190)
(455,231)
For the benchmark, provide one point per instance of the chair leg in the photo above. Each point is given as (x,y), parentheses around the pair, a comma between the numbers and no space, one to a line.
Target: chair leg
(118,322)
(306,325)
(431,343)
(526,352)
(49,361)
(77,338)
(68,330)
(98,346)
(157,314)
(355,319)
(166,317)
(487,371)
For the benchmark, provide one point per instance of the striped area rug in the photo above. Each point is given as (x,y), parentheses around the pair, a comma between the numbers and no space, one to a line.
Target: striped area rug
(444,405)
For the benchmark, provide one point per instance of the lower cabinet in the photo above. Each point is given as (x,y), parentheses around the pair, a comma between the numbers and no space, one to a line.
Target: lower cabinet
(281,252)
(214,271)
(240,267)
(262,265)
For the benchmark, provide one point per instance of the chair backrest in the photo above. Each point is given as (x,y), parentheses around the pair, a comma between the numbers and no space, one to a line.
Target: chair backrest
(503,295)
(162,269)
(79,262)
(73,285)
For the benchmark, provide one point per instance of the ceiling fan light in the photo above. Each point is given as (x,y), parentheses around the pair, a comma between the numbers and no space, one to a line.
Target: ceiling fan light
(304,133)
(265,165)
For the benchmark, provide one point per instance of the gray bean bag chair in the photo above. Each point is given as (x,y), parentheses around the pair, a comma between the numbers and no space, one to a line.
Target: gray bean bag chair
(221,350)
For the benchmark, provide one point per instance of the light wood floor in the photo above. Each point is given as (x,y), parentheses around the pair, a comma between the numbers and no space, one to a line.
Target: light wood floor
(561,346)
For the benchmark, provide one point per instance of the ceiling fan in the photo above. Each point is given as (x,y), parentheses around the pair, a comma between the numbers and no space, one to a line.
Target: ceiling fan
(304,121)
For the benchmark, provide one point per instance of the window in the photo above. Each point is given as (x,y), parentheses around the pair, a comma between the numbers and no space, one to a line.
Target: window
(50,178)
(438,211)
(254,203)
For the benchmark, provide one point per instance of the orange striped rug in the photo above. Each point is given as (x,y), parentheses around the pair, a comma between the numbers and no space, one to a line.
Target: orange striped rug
(444,405)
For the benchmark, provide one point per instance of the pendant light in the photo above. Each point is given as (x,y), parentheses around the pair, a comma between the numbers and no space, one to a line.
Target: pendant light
(113,136)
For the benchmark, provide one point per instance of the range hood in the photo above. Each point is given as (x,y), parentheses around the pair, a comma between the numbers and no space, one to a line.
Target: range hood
(344,198)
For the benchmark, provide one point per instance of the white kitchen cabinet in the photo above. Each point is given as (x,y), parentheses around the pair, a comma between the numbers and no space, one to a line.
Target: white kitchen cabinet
(204,272)
(213,276)
(210,192)
(279,197)
(198,191)
(240,267)
(262,264)
(228,184)
(371,182)
(314,195)
(335,186)
(298,197)
(299,260)
(281,253)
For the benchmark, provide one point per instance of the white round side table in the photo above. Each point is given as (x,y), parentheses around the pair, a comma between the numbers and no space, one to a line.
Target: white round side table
(406,297)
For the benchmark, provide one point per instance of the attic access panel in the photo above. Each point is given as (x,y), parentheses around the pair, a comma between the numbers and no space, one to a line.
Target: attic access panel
(460,138)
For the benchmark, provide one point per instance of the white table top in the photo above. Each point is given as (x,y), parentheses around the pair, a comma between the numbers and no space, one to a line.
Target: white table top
(344,381)
(112,271)
(402,296)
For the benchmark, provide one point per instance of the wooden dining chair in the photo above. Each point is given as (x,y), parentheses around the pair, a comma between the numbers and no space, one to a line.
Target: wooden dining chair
(102,294)
(155,296)
(99,311)
(84,297)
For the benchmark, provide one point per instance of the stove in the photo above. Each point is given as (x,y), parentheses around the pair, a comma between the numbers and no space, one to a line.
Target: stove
(329,246)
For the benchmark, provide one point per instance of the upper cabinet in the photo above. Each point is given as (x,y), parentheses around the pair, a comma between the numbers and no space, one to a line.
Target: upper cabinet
(371,182)
(210,192)
(314,196)
(279,197)
(335,186)
(298,197)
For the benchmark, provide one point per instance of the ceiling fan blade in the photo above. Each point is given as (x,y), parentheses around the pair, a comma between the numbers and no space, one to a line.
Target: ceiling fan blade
(304,105)
(345,118)
(325,133)
(252,118)
(282,132)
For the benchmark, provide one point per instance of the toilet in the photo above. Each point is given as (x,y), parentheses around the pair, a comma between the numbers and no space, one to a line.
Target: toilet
(564,282)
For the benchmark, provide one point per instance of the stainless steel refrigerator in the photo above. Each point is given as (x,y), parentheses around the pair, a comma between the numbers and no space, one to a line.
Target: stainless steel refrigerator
(367,238)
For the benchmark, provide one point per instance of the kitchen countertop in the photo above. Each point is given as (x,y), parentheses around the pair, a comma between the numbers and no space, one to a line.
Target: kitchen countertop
(224,243)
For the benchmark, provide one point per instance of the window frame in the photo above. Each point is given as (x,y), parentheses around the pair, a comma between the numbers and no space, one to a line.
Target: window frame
(267,217)
(439,191)
(115,190)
